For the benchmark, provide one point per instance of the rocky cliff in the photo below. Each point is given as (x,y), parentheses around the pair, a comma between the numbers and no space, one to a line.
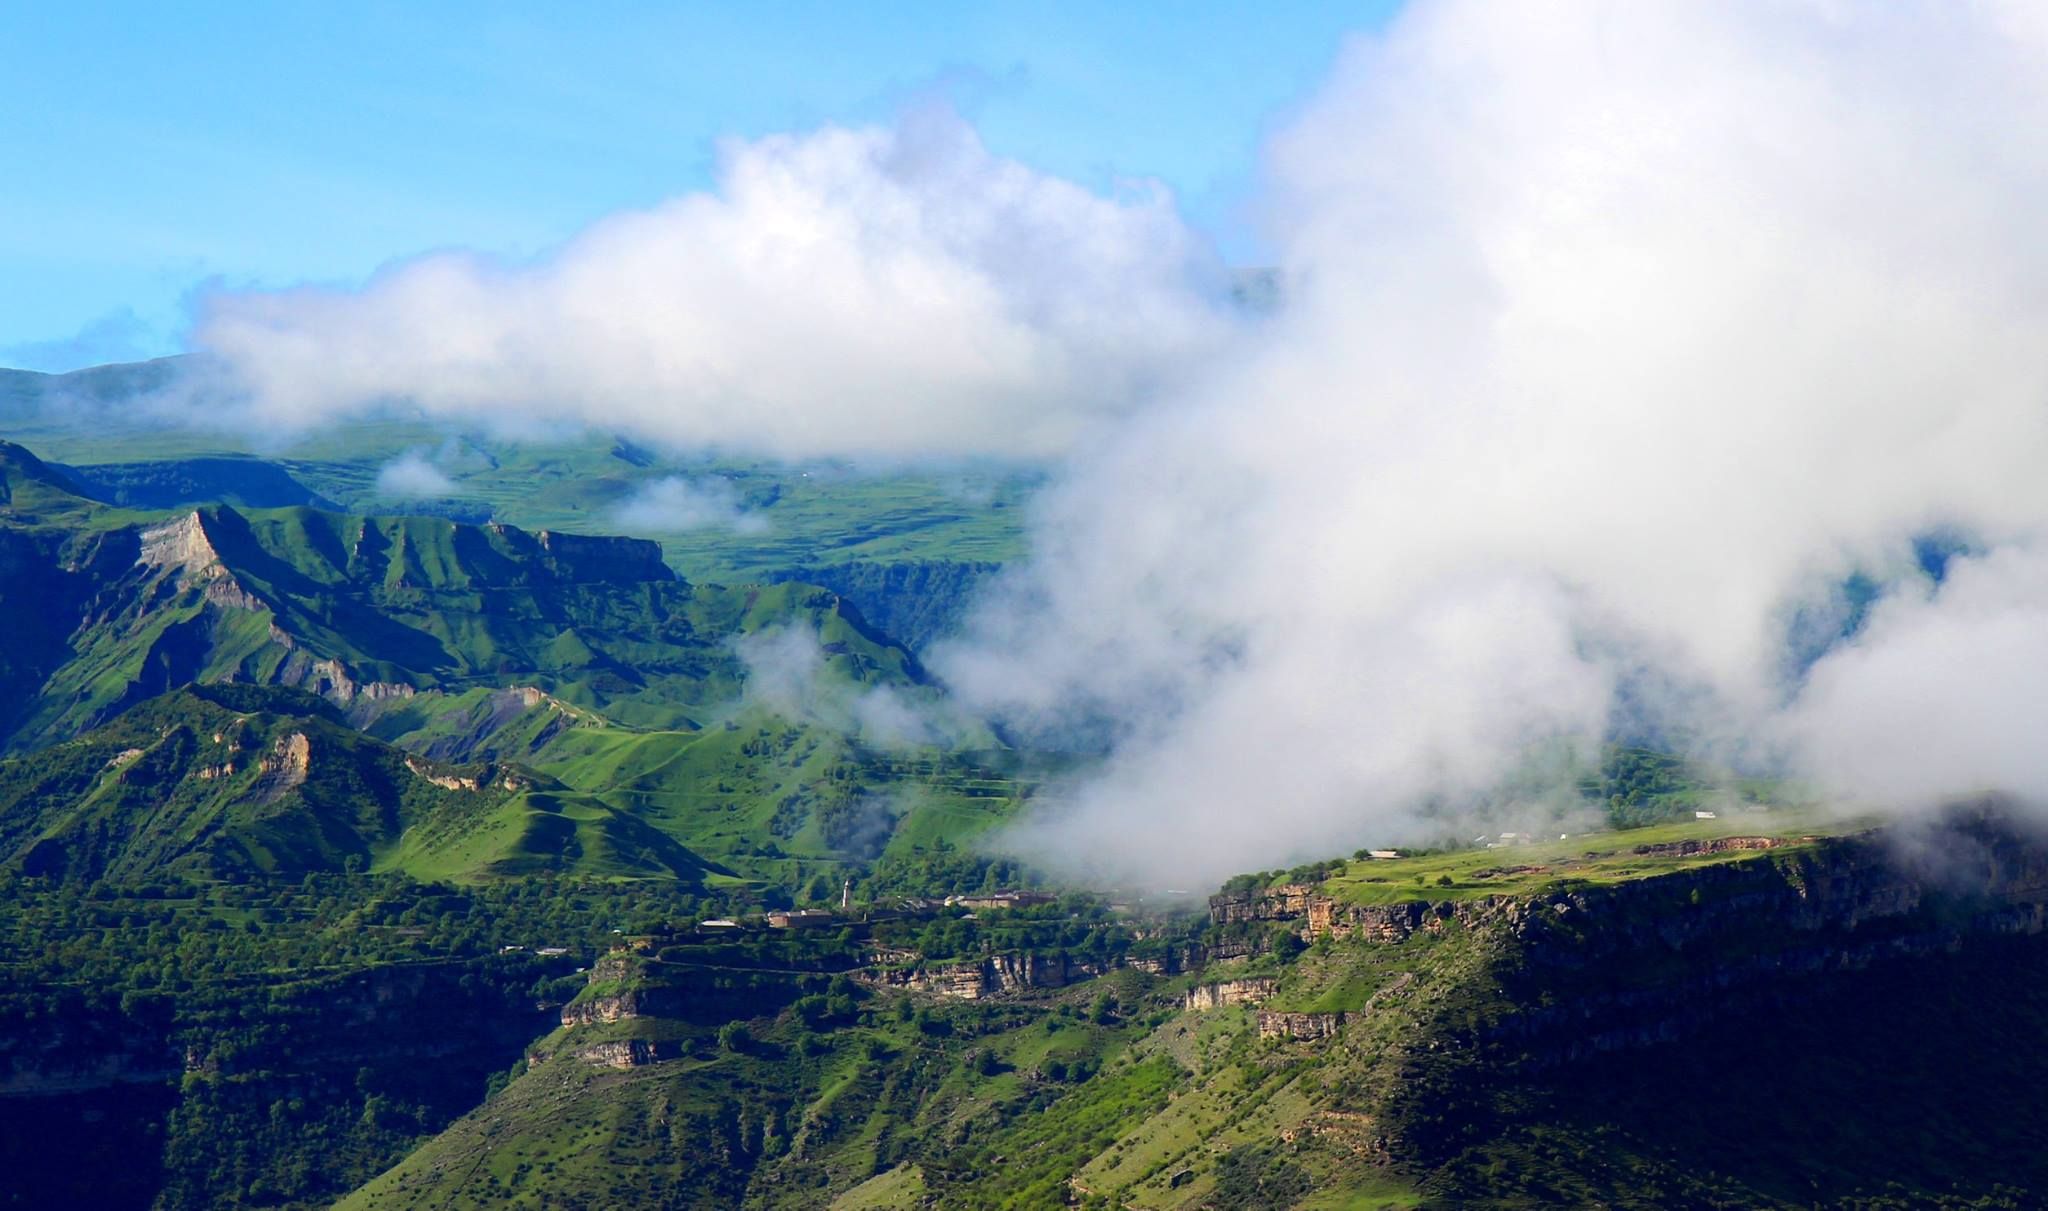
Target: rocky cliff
(592,559)
(993,976)
(1225,993)
(1299,1027)
(1604,968)
(619,990)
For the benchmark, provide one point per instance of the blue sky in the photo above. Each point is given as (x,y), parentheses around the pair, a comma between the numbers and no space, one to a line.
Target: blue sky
(153,148)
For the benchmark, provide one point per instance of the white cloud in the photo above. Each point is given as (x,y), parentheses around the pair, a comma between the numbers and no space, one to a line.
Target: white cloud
(1614,329)
(788,674)
(1941,693)
(673,504)
(848,291)
(413,475)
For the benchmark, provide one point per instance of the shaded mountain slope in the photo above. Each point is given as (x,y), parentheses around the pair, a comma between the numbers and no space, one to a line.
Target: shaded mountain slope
(917,602)
(222,479)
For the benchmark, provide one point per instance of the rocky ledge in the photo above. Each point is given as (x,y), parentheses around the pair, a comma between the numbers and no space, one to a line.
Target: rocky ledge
(1299,1027)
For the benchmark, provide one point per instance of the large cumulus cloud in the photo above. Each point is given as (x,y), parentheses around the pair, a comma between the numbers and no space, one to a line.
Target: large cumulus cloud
(1617,332)
(885,292)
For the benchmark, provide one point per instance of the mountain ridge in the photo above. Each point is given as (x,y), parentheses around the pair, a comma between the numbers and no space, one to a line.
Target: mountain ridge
(376,607)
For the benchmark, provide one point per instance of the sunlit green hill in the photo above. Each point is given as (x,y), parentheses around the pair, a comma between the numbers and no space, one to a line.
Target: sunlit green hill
(367,611)
(238,782)
(117,424)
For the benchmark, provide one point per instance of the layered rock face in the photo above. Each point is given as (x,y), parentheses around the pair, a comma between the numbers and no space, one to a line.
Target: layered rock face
(627,1053)
(182,552)
(1595,968)
(993,976)
(1322,916)
(654,1001)
(1226,993)
(1284,903)
(1633,964)
(285,767)
(632,995)
(1299,1027)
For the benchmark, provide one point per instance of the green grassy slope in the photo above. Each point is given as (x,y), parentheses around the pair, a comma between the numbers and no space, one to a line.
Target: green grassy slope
(784,802)
(815,515)
(363,609)
(237,781)
(35,493)
(823,1090)
(228,784)
(240,781)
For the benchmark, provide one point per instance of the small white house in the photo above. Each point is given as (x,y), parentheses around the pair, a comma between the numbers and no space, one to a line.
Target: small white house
(1706,815)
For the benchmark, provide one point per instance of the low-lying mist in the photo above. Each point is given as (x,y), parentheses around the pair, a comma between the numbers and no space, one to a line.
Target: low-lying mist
(1617,339)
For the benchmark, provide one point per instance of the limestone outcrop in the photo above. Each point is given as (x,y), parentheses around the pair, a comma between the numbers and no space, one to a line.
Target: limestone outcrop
(1299,1027)
(993,976)
(1225,993)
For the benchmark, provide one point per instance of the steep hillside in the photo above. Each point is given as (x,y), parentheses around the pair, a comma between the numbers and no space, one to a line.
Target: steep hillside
(584,658)
(367,611)
(916,602)
(1509,1045)
(108,418)
(35,493)
(193,1045)
(237,782)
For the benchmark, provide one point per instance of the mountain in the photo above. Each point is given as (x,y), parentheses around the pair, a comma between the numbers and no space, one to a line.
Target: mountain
(463,858)
(1688,1017)
(582,657)
(234,782)
(93,395)
(917,602)
(153,434)
(367,611)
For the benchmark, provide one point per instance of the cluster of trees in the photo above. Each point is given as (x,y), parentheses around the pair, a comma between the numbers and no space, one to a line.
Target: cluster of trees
(1642,787)
(1076,926)
(945,870)
(176,936)
(233,984)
